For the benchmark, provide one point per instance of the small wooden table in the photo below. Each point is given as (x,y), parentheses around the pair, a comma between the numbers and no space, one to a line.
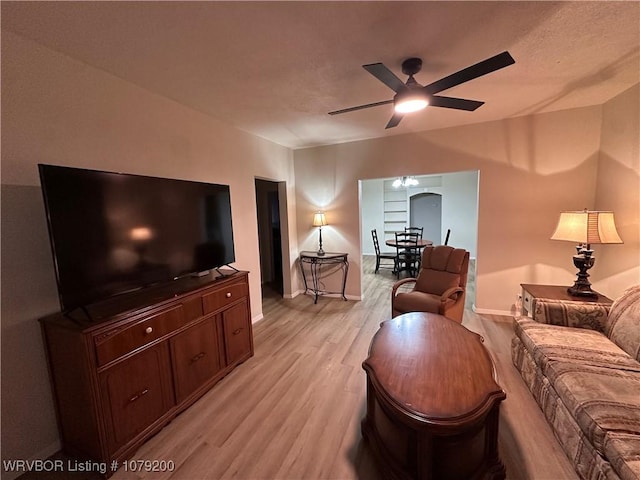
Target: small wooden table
(532,292)
(432,400)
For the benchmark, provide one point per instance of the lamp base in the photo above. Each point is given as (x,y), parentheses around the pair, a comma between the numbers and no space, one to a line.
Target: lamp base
(581,291)
(320,250)
(582,287)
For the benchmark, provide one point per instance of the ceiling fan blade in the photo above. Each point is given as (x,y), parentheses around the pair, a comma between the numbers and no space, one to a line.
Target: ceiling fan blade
(489,65)
(457,103)
(360,107)
(394,120)
(385,75)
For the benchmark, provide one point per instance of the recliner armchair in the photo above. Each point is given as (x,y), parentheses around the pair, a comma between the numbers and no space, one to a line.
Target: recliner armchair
(440,286)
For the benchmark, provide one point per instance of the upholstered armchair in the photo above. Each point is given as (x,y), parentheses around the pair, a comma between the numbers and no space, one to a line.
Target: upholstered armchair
(440,286)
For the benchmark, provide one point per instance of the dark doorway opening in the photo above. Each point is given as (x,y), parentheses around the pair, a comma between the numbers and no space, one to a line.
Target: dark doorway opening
(269,237)
(425,210)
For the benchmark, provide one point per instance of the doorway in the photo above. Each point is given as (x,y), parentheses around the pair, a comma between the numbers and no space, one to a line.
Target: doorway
(454,195)
(425,210)
(269,237)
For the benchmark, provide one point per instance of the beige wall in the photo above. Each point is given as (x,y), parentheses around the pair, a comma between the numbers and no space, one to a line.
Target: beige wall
(618,189)
(60,111)
(531,168)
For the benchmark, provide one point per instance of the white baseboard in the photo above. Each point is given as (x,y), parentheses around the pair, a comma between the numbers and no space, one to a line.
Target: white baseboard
(334,295)
(488,311)
(331,295)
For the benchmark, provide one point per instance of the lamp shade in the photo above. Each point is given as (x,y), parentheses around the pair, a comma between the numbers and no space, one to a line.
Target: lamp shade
(587,227)
(319,220)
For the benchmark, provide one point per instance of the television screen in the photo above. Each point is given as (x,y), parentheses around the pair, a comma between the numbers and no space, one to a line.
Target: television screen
(113,233)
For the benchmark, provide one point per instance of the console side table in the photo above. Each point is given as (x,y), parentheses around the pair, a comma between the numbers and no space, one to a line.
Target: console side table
(315,263)
(537,295)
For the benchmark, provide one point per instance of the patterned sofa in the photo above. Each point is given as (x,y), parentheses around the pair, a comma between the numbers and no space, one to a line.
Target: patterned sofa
(583,369)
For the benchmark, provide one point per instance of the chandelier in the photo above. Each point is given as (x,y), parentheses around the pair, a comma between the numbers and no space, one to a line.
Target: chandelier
(404,182)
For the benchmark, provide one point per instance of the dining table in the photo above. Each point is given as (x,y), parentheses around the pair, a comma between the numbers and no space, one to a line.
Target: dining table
(420,244)
(407,246)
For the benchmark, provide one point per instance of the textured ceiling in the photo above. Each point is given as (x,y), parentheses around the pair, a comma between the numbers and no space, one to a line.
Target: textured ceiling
(276,68)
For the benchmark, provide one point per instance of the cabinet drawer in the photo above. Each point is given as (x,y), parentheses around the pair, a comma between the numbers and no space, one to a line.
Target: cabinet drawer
(119,341)
(527,304)
(224,296)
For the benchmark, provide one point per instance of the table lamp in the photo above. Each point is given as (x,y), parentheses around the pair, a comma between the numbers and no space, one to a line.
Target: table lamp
(585,227)
(319,220)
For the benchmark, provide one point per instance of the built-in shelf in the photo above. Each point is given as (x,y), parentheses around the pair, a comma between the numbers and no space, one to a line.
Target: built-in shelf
(395,210)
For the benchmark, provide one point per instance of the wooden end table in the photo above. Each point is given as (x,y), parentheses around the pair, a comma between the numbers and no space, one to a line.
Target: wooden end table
(531,293)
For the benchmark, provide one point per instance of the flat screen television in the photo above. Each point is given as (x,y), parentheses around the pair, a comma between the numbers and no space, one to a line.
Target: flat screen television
(113,233)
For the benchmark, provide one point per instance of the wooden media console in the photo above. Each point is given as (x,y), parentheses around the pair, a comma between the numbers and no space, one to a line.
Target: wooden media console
(122,370)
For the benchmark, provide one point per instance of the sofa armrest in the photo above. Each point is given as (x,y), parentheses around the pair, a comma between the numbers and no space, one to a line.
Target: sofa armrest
(571,314)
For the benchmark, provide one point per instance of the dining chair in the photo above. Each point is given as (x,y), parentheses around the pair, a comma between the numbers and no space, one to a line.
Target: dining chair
(382,255)
(407,253)
(418,230)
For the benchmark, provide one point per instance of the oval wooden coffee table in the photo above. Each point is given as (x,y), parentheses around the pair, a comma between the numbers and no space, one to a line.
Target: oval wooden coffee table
(432,400)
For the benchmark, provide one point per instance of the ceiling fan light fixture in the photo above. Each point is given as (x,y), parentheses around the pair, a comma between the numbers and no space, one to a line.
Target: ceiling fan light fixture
(410,101)
(411,96)
(409,106)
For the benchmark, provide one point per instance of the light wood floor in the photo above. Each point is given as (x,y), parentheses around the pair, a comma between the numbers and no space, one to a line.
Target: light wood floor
(293,410)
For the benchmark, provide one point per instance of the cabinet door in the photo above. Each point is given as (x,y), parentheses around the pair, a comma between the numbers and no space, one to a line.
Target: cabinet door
(195,358)
(135,393)
(236,327)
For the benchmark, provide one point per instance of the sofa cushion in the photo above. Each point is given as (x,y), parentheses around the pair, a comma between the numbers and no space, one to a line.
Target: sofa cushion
(583,315)
(623,451)
(595,381)
(623,324)
(578,345)
(600,399)
(589,463)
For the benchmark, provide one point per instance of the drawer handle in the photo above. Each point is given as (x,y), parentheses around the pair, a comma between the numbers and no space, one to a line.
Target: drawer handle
(197,357)
(138,395)
(148,330)
(228,294)
(237,331)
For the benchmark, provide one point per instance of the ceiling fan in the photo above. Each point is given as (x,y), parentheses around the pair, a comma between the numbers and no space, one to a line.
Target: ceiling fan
(411,96)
